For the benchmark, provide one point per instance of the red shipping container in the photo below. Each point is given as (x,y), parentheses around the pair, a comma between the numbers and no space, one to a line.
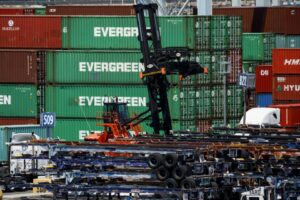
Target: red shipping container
(18,121)
(291,20)
(18,66)
(16,11)
(273,20)
(282,20)
(286,87)
(30,32)
(289,114)
(90,10)
(286,61)
(263,81)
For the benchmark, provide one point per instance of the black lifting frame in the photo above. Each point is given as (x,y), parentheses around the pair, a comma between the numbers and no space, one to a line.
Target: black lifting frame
(158,63)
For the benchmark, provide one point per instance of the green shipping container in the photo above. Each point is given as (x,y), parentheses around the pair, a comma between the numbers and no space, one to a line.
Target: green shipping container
(258,46)
(94,67)
(202,32)
(7,131)
(203,102)
(219,32)
(18,100)
(121,32)
(86,100)
(187,103)
(217,57)
(204,59)
(235,31)
(234,101)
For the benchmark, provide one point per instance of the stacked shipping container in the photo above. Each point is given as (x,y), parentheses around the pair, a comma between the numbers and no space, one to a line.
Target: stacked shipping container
(258,43)
(103,56)
(257,51)
(263,89)
(286,76)
(18,90)
(218,43)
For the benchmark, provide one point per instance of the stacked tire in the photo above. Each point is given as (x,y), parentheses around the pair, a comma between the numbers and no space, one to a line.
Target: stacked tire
(172,170)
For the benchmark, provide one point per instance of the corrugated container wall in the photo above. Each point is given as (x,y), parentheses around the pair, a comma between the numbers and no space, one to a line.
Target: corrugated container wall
(30,32)
(90,10)
(7,131)
(286,61)
(286,87)
(263,80)
(17,11)
(122,32)
(18,100)
(14,121)
(115,67)
(292,20)
(283,20)
(86,100)
(287,41)
(289,114)
(18,66)
(217,32)
(273,20)
(206,102)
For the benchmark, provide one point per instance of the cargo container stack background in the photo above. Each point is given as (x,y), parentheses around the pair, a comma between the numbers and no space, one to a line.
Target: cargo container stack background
(85,59)
(218,40)
(79,51)
(263,89)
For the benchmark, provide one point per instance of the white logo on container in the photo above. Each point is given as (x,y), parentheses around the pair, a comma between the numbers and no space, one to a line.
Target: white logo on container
(264,72)
(10,23)
(292,62)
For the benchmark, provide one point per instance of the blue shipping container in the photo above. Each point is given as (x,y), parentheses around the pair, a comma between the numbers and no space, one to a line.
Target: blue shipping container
(263,99)
(7,131)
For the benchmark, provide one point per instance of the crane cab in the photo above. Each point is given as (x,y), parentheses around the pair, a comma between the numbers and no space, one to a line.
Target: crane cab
(115,110)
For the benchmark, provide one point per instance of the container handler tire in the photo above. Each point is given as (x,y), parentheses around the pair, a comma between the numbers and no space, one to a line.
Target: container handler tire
(170,160)
(162,173)
(155,160)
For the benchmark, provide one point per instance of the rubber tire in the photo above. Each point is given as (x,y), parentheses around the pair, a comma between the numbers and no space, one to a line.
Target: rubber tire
(155,160)
(179,172)
(170,160)
(188,183)
(162,173)
(171,183)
